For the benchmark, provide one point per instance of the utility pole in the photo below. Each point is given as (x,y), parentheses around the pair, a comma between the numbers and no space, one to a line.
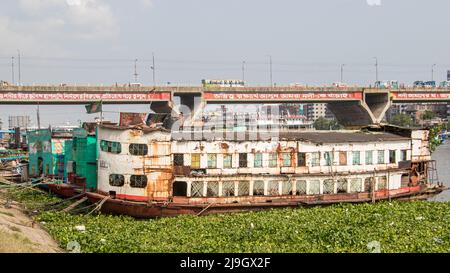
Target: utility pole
(153,68)
(432,72)
(342,73)
(270,67)
(18,55)
(12,69)
(101,111)
(376,69)
(243,71)
(135,71)
(38,117)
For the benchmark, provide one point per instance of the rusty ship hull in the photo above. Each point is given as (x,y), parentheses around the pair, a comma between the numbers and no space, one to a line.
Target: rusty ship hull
(207,206)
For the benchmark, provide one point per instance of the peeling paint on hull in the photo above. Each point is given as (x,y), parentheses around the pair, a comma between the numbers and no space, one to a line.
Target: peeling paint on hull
(166,209)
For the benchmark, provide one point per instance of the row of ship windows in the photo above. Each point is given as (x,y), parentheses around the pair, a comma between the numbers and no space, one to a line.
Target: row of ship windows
(287,158)
(116,147)
(136,181)
(276,187)
(260,187)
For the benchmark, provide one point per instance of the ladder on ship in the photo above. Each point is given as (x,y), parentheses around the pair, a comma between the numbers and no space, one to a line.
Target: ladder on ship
(431,172)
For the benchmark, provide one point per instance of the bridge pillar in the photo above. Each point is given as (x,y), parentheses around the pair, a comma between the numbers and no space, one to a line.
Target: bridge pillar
(190,104)
(352,113)
(378,101)
(370,110)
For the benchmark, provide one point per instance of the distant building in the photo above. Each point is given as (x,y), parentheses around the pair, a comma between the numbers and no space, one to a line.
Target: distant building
(317,110)
(416,110)
(396,109)
(22,122)
(289,109)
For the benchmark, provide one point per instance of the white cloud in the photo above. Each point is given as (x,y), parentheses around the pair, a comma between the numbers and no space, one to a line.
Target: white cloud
(94,18)
(374,3)
(47,26)
(147,3)
(73,2)
(34,7)
(30,37)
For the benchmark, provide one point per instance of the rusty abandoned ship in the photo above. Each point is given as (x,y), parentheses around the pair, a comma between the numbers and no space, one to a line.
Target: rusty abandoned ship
(148,169)
(153,171)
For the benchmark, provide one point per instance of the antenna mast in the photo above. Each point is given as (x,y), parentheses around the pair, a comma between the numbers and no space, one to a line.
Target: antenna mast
(135,71)
(12,69)
(18,55)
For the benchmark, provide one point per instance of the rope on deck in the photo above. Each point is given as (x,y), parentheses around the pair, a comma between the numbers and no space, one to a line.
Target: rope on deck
(100,204)
(15,188)
(73,205)
(83,208)
(72,208)
(203,210)
(51,206)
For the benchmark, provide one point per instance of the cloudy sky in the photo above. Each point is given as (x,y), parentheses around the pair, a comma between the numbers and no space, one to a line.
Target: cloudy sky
(96,41)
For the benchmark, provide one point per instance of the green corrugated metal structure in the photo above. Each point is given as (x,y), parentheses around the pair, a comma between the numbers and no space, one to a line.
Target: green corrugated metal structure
(51,155)
(68,156)
(85,156)
(46,154)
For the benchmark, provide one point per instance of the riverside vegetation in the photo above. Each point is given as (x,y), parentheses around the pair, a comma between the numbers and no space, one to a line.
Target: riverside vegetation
(420,226)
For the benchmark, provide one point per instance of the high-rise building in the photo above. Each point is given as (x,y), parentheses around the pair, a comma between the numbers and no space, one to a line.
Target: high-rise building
(22,122)
(317,110)
(292,109)
(395,109)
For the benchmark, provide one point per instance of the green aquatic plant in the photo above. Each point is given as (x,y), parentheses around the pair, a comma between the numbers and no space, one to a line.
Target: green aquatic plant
(395,227)
(420,226)
(30,198)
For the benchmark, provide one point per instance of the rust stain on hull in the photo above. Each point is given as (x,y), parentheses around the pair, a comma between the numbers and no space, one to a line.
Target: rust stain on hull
(150,210)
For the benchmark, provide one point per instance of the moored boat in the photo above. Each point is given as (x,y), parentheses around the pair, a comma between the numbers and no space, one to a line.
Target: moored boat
(153,172)
(67,159)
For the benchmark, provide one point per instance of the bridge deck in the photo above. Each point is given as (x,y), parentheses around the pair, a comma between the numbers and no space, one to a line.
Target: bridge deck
(132,88)
(142,94)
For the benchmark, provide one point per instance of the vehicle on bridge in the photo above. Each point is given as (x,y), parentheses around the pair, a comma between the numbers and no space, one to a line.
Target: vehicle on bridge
(387,84)
(340,84)
(423,84)
(430,84)
(223,83)
(4,83)
(296,84)
(419,84)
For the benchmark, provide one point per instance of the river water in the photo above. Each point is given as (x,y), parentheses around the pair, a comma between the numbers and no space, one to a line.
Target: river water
(442,157)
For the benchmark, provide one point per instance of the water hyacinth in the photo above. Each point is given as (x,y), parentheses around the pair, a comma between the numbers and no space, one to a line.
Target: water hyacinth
(420,226)
(384,227)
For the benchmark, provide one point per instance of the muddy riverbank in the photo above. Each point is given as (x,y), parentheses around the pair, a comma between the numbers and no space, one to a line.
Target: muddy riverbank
(19,233)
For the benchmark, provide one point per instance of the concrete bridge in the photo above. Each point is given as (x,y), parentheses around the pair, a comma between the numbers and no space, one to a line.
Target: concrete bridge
(352,106)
